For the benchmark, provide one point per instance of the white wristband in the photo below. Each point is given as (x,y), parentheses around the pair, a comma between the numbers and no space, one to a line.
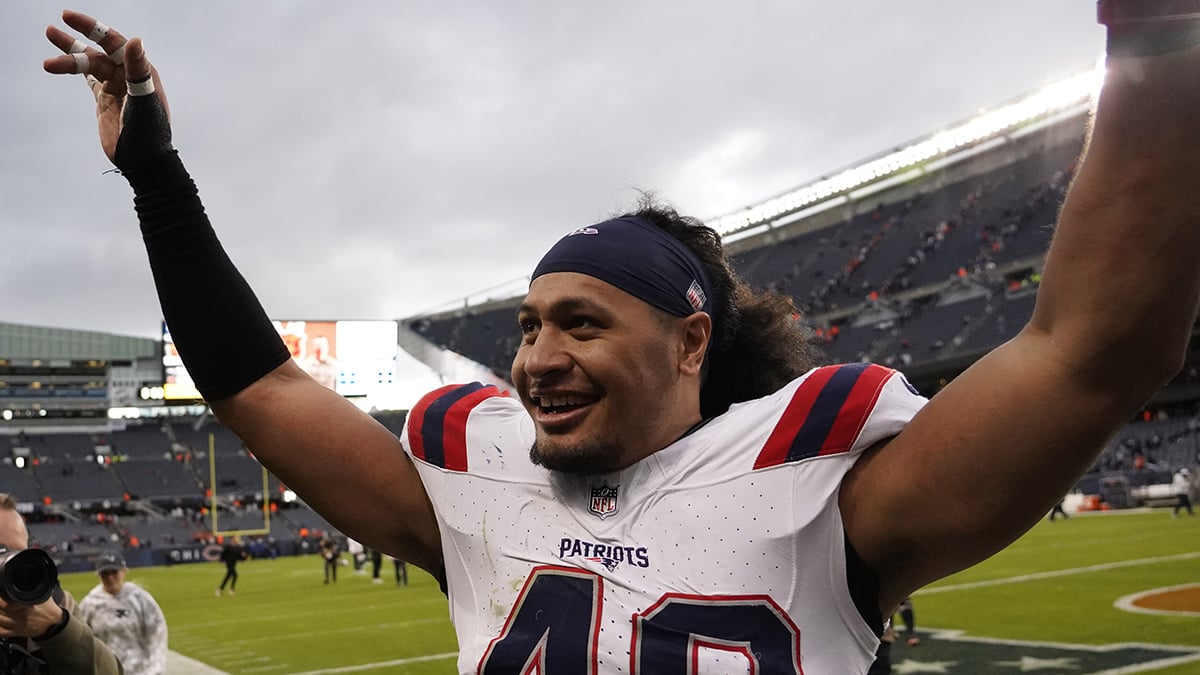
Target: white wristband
(143,88)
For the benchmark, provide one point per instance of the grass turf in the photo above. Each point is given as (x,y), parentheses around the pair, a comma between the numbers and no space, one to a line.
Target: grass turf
(1056,584)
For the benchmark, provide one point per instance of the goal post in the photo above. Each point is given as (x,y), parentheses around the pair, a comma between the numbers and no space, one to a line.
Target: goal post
(212,489)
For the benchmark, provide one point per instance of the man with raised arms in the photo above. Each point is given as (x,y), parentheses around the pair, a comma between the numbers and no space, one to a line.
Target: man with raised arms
(677,486)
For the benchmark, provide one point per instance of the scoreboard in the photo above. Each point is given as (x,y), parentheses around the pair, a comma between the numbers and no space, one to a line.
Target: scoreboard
(353,358)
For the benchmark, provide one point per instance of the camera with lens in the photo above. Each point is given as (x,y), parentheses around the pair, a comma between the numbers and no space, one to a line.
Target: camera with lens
(27,577)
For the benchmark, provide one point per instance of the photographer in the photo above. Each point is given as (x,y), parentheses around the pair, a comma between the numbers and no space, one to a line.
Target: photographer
(45,638)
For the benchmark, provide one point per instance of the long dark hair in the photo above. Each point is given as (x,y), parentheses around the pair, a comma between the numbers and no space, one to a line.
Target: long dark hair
(762,344)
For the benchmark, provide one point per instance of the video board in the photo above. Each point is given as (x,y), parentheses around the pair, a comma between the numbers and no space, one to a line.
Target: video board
(353,358)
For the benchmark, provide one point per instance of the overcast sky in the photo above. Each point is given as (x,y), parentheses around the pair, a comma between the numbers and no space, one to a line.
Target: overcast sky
(374,159)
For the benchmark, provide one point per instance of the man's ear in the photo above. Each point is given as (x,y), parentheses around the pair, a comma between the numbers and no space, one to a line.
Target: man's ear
(696,331)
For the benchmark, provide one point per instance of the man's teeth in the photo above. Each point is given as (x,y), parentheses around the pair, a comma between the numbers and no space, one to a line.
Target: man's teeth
(560,401)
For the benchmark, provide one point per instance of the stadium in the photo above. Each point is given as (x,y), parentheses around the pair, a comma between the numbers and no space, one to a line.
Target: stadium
(922,257)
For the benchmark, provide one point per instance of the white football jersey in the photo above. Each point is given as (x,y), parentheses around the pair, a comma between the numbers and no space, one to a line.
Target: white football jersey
(721,553)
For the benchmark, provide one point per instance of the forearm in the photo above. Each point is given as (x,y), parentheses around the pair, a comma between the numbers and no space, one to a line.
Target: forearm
(224,337)
(1122,283)
(76,651)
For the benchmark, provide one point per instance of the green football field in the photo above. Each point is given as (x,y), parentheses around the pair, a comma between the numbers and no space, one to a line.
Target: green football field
(1044,605)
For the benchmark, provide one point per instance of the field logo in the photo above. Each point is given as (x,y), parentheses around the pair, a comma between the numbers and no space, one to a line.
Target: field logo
(603,502)
(953,652)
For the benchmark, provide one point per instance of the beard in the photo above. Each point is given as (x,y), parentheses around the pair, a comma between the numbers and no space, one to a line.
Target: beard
(590,459)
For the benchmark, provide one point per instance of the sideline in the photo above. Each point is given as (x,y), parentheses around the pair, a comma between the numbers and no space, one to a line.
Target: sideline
(381,664)
(1058,573)
(178,664)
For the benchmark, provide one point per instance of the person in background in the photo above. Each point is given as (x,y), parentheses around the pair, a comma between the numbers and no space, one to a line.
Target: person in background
(401,571)
(48,638)
(883,654)
(320,364)
(358,555)
(331,553)
(905,610)
(1181,485)
(376,565)
(127,618)
(232,552)
(1058,510)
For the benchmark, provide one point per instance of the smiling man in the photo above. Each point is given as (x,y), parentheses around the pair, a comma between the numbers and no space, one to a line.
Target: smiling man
(677,488)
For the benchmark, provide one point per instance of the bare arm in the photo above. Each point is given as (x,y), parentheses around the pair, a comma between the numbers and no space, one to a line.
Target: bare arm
(994,450)
(347,466)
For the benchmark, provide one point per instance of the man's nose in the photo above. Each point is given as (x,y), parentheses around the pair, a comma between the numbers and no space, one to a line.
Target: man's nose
(547,354)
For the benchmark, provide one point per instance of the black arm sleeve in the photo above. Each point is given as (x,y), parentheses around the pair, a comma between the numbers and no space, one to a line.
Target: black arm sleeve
(223,335)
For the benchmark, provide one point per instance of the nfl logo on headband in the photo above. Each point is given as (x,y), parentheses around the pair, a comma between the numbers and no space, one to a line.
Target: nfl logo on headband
(695,295)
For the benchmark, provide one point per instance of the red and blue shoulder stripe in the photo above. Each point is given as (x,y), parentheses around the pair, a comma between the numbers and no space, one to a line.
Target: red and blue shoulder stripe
(437,425)
(826,413)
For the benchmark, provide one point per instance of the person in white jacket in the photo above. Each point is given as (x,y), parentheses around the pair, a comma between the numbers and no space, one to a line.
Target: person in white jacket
(126,618)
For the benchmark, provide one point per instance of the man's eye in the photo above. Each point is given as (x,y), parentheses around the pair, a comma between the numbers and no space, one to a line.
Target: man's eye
(527,325)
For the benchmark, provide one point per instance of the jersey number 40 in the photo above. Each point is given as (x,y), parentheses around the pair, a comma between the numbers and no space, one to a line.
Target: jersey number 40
(554,627)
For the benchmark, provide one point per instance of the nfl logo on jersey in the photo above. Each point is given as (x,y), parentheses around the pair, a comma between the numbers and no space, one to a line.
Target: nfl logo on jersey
(604,501)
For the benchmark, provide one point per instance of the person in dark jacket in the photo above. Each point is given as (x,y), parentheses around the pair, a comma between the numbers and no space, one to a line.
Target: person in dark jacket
(231,554)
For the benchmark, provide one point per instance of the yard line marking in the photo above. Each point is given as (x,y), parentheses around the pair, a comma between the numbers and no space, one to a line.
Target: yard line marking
(263,669)
(381,664)
(348,629)
(178,664)
(316,613)
(1058,573)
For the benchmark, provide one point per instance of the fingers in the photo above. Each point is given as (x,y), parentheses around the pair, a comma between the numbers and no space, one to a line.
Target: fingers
(111,41)
(104,63)
(141,78)
(78,58)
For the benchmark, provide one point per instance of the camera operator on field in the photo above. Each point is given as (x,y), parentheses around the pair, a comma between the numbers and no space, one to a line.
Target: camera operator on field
(43,637)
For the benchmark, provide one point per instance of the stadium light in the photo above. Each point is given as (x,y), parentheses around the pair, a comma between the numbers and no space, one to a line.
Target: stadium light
(22,457)
(1063,95)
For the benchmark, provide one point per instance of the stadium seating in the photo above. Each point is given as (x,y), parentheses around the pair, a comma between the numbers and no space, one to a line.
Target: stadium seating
(925,282)
(147,487)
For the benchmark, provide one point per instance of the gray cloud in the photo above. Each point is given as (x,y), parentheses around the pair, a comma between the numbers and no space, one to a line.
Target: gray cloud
(374,159)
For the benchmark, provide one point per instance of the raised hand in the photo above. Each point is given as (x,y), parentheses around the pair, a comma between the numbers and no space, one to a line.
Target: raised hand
(131,109)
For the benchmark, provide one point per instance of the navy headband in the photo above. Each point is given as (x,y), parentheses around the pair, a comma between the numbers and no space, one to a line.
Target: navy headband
(639,258)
